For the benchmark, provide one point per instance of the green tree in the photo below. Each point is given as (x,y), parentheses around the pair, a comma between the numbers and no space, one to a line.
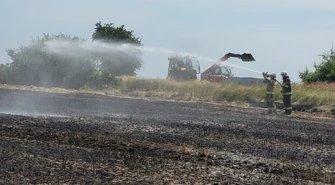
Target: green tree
(35,65)
(324,72)
(4,73)
(119,62)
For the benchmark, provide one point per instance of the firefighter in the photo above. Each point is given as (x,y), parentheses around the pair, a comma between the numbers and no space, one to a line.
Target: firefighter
(286,93)
(270,85)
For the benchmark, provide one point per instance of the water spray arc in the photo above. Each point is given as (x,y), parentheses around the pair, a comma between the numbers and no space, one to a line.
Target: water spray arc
(80,49)
(244,68)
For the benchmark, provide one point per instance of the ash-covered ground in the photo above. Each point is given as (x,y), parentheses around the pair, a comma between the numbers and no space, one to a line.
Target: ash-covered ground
(96,139)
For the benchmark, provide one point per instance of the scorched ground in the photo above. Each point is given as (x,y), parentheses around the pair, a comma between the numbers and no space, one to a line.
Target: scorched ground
(96,139)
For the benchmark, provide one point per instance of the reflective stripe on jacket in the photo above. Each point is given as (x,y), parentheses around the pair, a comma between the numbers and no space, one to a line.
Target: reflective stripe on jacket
(286,86)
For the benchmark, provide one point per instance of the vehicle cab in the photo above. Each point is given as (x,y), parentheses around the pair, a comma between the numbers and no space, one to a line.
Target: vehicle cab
(216,73)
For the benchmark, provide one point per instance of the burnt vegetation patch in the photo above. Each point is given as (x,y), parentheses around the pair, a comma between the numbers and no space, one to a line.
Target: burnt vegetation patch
(119,140)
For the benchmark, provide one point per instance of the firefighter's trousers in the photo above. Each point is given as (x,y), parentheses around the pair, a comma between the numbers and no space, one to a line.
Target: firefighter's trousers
(287,104)
(270,104)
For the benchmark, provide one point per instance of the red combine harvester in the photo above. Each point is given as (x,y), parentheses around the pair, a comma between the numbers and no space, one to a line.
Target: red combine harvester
(217,73)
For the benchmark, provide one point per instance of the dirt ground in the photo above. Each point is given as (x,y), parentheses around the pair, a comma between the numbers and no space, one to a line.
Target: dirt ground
(95,139)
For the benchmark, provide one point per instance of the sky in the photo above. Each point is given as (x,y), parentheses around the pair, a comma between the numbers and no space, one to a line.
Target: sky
(282,35)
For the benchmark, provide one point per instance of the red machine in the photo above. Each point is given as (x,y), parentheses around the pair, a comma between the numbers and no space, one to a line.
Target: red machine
(217,73)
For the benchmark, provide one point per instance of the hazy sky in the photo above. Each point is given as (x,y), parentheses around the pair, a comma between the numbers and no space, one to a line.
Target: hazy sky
(282,35)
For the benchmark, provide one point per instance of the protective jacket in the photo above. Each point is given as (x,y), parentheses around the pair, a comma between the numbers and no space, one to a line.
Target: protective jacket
(286,86)
(270,85)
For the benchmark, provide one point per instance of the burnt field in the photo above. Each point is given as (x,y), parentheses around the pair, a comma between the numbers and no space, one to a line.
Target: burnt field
(96,139)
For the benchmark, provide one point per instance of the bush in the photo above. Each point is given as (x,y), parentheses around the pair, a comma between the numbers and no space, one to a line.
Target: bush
(324,72)
(33,65)
(103,79)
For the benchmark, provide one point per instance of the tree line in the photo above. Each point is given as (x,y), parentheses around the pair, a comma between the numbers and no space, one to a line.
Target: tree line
(31,65)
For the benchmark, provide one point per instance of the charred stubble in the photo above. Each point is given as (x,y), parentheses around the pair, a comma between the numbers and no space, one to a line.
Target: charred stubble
(101,139)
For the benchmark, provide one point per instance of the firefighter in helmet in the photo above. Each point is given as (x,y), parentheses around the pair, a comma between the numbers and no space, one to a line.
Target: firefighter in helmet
(286,93)
(270,80)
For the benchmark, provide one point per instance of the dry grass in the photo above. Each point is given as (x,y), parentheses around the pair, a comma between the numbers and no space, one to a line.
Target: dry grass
(314,94)
(318,94)
(190,90)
